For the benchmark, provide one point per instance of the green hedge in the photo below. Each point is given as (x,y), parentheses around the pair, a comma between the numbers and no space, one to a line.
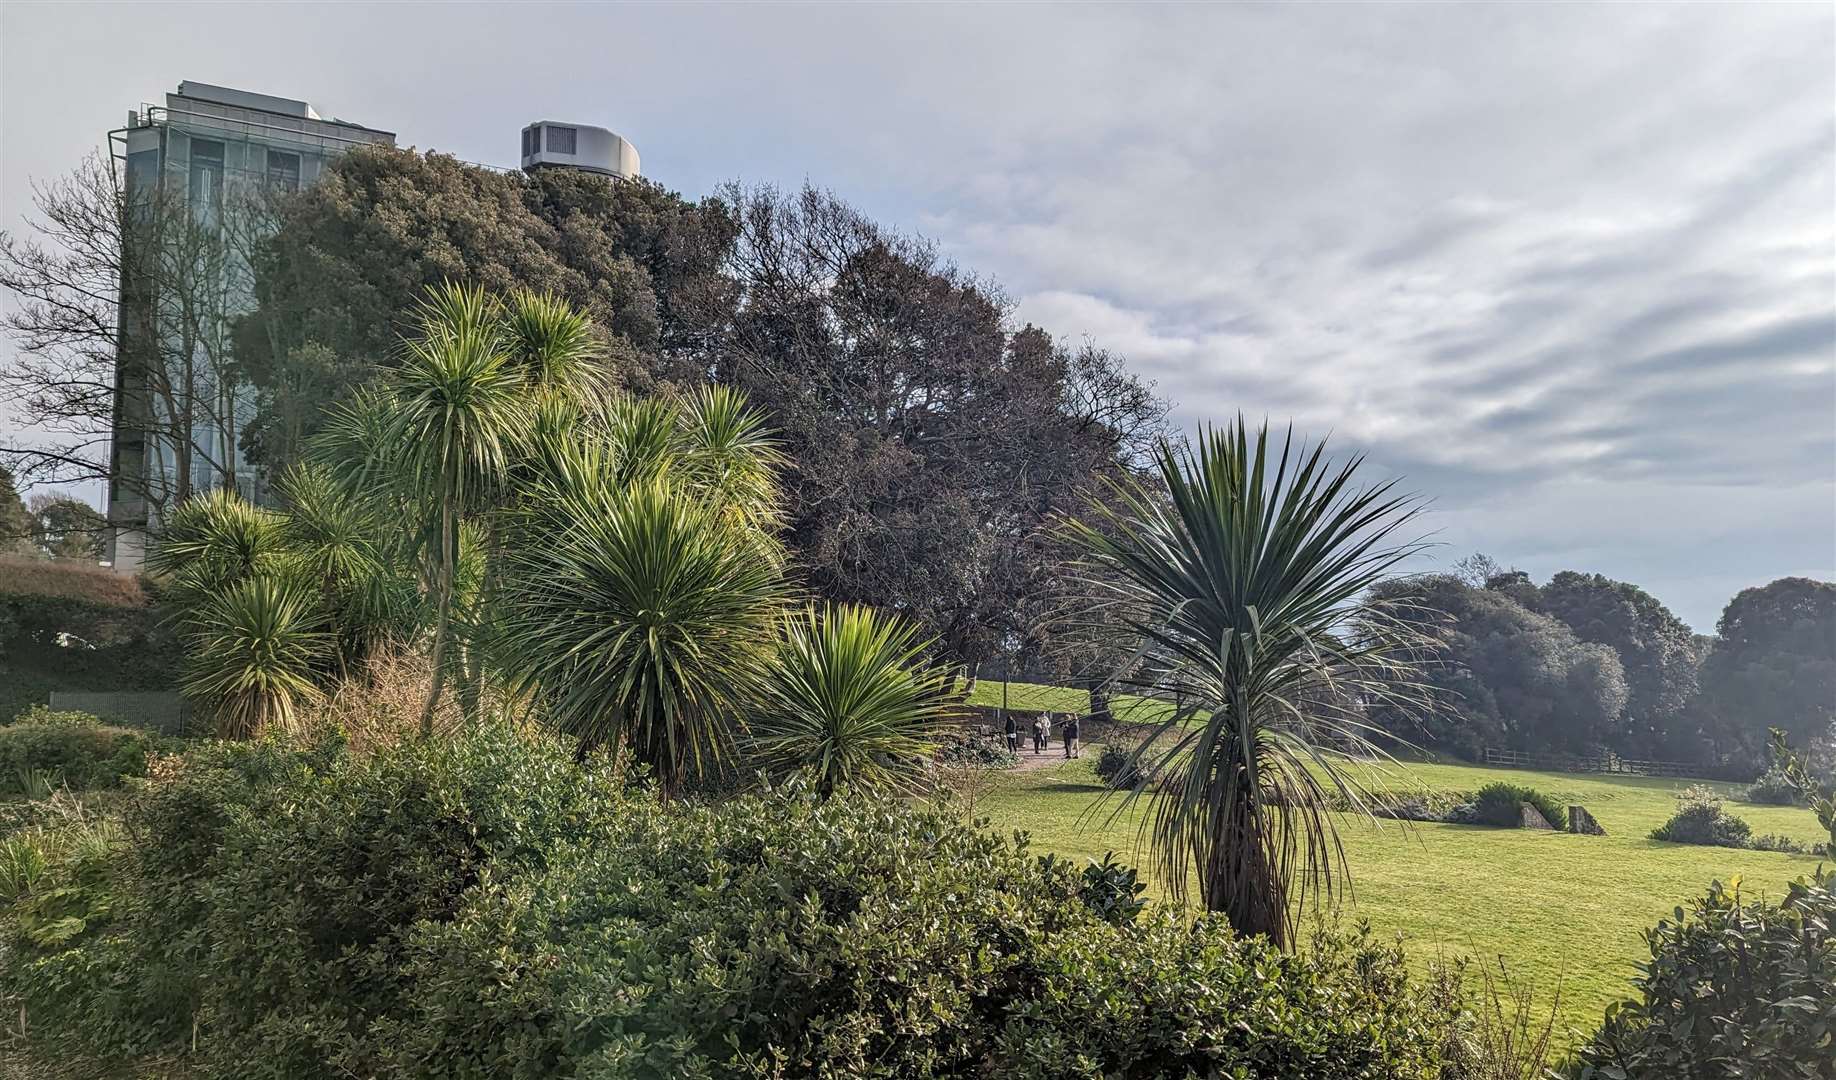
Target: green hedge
(488,908)
(1735,990)
(80,750)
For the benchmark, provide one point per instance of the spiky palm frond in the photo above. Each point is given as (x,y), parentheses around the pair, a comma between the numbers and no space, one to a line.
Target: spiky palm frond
(850,697)
(460,411)
(213,540)
(253,660)
(1243,575)
(641,620)
(338,535)
(553,344)
(346,542)
(642,436)
(356,443)
(729,448)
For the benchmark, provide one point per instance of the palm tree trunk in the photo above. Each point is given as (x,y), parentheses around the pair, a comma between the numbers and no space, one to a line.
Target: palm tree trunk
(1236,877)
(445,601)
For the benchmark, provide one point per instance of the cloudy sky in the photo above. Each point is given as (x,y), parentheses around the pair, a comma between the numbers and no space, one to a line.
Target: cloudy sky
(1570,269)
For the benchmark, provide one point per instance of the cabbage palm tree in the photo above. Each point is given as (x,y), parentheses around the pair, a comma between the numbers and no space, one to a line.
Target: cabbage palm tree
(1244,572)
(212,541)
(457,418)
(642,619)
(361,564)
(245,602)
(851,697)
(255,656)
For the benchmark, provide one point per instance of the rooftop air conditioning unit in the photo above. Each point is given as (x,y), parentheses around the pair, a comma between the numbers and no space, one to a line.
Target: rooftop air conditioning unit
(547,144)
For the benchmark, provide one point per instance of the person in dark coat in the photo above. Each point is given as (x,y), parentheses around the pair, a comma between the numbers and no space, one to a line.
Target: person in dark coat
(1069,730)
(1039,733)
(1013,735)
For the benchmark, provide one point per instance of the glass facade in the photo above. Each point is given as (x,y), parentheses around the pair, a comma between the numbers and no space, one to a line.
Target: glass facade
(196,170)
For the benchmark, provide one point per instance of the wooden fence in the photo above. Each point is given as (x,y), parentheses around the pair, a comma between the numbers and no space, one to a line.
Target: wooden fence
(1602,763)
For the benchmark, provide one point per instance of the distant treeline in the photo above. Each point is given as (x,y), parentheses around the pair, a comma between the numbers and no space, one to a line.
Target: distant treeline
(1583,663)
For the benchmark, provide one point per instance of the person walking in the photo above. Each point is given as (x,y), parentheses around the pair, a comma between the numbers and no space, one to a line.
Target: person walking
(1013,735)
(1069,731)
(1039,733)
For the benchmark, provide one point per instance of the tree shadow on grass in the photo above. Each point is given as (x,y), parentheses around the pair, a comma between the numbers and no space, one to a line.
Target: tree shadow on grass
(1064,787)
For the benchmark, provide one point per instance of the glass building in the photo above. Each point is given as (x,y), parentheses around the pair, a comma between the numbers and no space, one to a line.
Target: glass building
(195,172)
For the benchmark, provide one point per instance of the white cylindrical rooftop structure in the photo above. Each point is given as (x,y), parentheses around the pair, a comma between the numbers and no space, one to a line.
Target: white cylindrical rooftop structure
(552,144)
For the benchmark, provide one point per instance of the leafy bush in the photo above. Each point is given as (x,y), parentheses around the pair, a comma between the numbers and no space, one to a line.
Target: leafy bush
(46,716)
(1501,804)
(486,907)
(77,749)
(1734,990)
(271,889)
(1773,788)
(1114,768)
(1775,842)
(977,751)
(1701,819)
(782,935)
(1112,890)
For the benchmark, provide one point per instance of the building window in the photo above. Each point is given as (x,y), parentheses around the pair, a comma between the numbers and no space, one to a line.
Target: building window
(560,140)
(283,171)
(206,189)
(526,142)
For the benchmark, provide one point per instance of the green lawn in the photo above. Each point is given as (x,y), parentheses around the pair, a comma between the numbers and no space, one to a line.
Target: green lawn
(1555,907)
(1022,695)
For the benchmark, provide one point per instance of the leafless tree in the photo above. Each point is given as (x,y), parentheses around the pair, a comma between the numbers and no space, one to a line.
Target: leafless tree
(122,306)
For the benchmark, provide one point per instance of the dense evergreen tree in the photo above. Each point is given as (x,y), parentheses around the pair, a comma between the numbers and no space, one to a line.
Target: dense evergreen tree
(338,281)
(1774,665)
(1507,676)
(1656,648)
(67,528)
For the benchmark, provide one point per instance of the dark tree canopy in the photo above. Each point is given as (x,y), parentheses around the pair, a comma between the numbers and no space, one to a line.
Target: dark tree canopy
(1657,649)
(1774,664)
(932,443)
(350,257)
(67,528)
(16,530)
(1508,676)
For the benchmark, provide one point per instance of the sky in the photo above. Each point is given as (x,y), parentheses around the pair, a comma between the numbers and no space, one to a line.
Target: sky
(1570,270)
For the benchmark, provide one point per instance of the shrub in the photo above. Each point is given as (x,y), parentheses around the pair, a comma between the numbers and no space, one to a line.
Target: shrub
(46,716)
(271,889)
(81,752)
(1773,788)
(1701,819)
(1501,804)
(979,751)
(1114,768)
(486,907)
(782,935)
(1775,842)
(1733,990)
